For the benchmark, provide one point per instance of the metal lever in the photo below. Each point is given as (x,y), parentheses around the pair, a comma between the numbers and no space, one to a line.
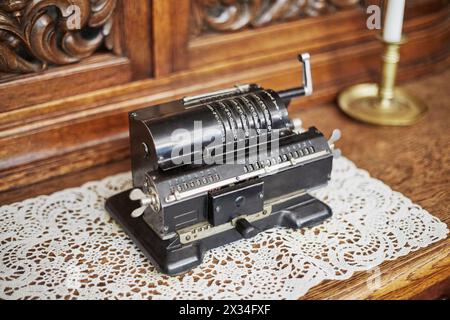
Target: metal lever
(335,136)
(307,88)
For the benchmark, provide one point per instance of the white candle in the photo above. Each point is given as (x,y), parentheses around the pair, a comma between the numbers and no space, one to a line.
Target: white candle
(393,22)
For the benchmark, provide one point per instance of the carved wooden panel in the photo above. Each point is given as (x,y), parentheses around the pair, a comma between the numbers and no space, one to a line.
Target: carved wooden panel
(232,15)
(37,33)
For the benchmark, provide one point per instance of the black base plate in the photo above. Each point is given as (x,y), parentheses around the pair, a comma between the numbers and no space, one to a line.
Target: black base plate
(171,257)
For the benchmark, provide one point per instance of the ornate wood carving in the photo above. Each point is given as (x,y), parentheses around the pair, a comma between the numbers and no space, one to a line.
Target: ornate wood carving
(232,15)
(37,33)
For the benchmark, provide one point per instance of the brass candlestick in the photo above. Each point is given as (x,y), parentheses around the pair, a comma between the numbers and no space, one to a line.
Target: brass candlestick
(383,104)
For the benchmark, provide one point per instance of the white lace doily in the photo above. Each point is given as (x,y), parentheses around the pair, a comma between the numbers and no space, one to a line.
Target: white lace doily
(65,246)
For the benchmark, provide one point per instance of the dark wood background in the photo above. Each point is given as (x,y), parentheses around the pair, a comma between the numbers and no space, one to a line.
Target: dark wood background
(64,94)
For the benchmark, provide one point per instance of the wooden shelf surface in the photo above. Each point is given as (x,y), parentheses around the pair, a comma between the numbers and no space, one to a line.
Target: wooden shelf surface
(412,160)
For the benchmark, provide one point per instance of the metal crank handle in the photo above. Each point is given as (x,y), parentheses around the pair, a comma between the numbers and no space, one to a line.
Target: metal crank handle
(307,88)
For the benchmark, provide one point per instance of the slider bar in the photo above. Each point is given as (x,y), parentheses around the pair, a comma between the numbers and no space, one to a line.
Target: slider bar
(236,89)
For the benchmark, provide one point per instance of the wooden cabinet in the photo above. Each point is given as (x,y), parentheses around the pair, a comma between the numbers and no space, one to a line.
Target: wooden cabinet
(71,70)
